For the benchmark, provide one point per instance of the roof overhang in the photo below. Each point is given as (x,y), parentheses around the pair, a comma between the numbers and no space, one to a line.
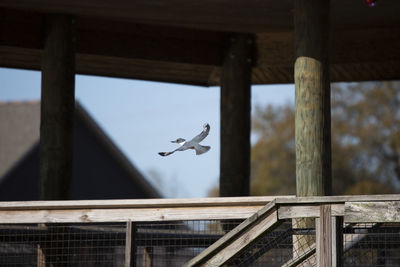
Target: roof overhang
(183,41)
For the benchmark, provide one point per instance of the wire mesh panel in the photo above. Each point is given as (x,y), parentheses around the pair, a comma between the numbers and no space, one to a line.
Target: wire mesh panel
(285,243)
(62,245)
(152,244)
(372,244)
(175,243)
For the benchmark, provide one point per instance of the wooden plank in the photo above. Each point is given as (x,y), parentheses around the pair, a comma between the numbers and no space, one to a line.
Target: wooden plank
(359,212)
(324,237)
(337,199)
(57,108)
(312,98)
(235,117)
(286,203)
(306,211)
(126,214)
(267,213)
(141,203)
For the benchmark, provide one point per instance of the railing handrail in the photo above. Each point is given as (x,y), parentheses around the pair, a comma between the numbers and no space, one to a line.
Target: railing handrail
(140,203)
(142,210)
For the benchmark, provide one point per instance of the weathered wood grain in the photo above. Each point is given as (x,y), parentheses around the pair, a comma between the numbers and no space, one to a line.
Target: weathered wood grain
(324,237)
(306,211)
(337,199)
(141,203)
(126,214)
(312,98)
(359,212)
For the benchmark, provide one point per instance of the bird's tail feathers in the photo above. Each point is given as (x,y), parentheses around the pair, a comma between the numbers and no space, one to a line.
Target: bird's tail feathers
(202,149)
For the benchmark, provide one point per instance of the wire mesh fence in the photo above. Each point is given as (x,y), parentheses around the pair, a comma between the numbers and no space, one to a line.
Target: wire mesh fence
(175,243)
(372,244)
(288,241)
(62,245)
(153,244)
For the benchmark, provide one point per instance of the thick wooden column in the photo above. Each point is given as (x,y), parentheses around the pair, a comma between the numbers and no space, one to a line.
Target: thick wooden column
(57,108)
(312,93)
(312,107)
(235,117)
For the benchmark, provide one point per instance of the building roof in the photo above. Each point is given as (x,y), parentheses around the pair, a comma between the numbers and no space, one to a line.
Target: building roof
(183,41)
(20,133)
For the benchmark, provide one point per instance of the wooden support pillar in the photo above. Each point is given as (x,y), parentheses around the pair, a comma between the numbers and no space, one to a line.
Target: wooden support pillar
(57,108)
(235,117)
(312,98)
(312,106)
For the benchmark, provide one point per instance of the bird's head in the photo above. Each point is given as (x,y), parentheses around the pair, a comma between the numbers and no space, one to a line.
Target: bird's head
(179,141)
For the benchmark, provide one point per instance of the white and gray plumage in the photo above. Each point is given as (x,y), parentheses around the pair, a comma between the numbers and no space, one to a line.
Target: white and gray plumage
(192,144)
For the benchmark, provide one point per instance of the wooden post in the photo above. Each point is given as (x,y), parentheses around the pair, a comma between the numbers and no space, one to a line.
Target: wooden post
(324,237)
(130,244)
(235,117)
(312,98)
(312,104)
(57,108)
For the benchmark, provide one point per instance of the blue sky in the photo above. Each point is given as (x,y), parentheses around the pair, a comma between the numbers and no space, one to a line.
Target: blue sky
(142,118)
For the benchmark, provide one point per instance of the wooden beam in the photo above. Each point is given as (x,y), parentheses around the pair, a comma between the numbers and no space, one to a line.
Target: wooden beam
(312,98)
(235,117)
(140,203)
(57,108)
(337,199)
(306,211)
(362,212)
(124,215)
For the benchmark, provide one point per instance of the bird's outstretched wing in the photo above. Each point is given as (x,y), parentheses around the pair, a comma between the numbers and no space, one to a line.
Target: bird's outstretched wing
(203,134)
(164,154)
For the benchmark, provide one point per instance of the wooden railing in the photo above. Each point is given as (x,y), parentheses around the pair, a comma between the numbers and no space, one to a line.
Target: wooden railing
(261,214)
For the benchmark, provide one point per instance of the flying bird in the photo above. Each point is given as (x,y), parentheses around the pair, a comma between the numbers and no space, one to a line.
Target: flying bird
(192,144)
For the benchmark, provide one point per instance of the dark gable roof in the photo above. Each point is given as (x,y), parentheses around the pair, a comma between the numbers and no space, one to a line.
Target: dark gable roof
(110,146)
(19,133)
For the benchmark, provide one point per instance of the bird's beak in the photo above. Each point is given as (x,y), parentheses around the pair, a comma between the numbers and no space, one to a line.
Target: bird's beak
(173,142)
